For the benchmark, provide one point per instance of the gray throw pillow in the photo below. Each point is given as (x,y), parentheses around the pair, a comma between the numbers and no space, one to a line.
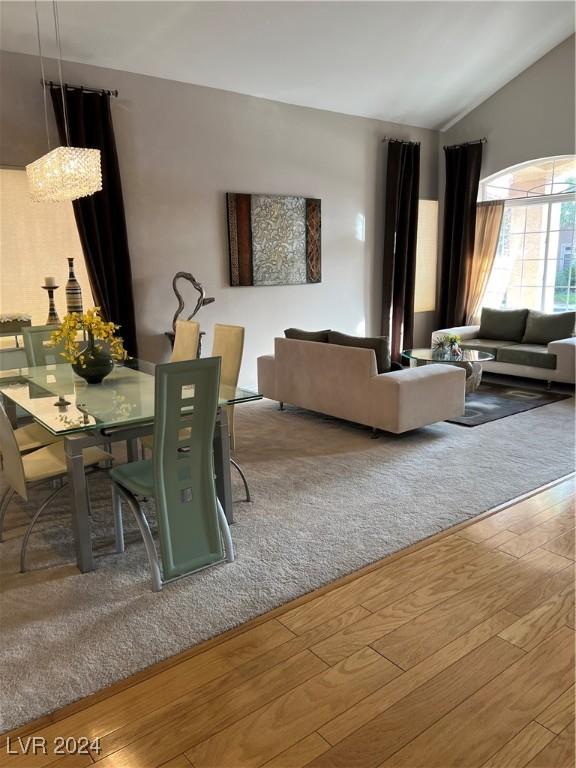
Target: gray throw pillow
(543,328)
(504,324)
(299,335)
(379,344)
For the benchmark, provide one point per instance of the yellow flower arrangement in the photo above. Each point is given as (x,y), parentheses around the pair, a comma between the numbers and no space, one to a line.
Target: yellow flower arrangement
(96,328)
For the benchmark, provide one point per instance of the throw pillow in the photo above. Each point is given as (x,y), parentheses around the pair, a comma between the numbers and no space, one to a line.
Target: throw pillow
(299,335)
(543,328)
(504,324)
(378,343)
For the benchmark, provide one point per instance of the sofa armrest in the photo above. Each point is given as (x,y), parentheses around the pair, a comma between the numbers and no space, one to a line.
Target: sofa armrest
(464,331)
(267,376)
(416,397)
(565,351)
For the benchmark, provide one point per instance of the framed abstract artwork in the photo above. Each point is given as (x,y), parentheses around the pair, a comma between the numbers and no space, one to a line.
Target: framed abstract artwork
(273,239)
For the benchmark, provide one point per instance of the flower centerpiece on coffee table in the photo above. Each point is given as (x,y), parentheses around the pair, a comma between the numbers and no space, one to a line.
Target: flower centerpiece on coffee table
(449,344)
(103,347)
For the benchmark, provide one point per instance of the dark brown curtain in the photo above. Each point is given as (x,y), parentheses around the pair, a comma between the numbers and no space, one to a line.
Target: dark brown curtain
(400,229)
(100,217)
(463,164)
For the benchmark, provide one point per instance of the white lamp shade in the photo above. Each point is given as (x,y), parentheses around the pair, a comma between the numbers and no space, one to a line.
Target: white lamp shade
(65,173)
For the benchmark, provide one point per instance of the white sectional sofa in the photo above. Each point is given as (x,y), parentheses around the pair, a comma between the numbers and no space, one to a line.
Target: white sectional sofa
(343,381)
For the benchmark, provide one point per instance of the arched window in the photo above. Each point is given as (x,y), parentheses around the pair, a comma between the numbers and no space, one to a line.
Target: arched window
(535,264)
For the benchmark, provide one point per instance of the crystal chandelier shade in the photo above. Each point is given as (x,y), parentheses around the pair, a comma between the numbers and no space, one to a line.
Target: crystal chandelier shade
(65,173)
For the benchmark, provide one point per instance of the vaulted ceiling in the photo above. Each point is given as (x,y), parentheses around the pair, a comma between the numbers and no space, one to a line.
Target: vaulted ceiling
(419,63)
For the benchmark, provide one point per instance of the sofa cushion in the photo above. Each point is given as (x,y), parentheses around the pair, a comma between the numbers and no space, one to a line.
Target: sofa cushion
(299,335)
(542,328)
(505,324)
(535,355)
(379,344)
(485,345)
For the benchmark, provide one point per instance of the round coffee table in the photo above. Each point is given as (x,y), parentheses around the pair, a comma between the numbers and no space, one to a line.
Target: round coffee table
(469,359)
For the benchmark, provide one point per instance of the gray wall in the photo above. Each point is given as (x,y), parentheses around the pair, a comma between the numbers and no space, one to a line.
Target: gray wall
(181,147)
(532,116)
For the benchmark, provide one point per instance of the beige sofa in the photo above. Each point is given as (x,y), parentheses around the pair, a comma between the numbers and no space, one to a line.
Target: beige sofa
(343,382)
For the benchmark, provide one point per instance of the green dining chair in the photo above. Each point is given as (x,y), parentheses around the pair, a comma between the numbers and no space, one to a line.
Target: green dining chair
(193,530)
(34,436)
(186,341)
(36,349)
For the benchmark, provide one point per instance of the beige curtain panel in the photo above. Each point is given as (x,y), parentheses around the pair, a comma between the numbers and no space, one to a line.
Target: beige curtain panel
(488,223)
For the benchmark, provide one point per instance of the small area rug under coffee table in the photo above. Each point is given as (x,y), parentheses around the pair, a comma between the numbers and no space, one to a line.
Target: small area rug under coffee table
(496,401)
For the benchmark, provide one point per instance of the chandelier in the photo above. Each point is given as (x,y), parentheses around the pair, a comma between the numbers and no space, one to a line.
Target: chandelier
(65,173)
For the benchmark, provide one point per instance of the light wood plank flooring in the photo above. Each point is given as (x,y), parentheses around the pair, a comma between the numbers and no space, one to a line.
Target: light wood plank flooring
(457,652)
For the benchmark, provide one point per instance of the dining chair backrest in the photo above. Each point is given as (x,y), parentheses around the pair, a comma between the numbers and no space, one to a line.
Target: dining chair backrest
(185,341)
(186,402)
(37,352)
(12,467)
(228,344)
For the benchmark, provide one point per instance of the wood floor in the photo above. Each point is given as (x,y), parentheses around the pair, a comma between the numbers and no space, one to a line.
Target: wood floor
(456,652)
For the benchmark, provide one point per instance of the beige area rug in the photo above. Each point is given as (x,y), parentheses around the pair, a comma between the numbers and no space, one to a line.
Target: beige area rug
(327,500)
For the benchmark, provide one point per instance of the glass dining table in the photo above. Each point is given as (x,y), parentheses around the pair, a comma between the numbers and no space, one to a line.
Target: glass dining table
(121,408)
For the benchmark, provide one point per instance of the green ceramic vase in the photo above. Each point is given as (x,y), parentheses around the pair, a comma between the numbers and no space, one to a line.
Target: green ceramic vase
(97,363)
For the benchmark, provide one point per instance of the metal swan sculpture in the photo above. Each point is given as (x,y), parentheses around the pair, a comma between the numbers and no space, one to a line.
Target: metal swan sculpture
(202,300)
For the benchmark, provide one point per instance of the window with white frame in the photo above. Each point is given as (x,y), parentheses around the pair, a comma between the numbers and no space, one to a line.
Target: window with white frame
(535,264)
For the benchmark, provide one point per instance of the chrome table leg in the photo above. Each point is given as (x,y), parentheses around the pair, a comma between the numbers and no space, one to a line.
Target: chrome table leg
(80,509)
(133,449)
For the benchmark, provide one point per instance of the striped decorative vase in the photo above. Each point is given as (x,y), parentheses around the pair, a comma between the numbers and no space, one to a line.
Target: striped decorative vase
(73,291)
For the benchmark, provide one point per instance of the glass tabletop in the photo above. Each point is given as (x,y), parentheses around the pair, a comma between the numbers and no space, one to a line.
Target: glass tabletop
(64,403)
(446,356)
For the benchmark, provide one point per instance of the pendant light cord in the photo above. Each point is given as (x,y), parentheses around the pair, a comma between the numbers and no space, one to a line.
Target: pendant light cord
(58,43)
(43,76)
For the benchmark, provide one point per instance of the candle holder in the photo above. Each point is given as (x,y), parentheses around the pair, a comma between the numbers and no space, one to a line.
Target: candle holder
(53,318)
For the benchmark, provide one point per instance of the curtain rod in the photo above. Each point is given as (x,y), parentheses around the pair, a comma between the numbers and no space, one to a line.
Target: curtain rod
(52,84)
(483,140)
(399,141)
